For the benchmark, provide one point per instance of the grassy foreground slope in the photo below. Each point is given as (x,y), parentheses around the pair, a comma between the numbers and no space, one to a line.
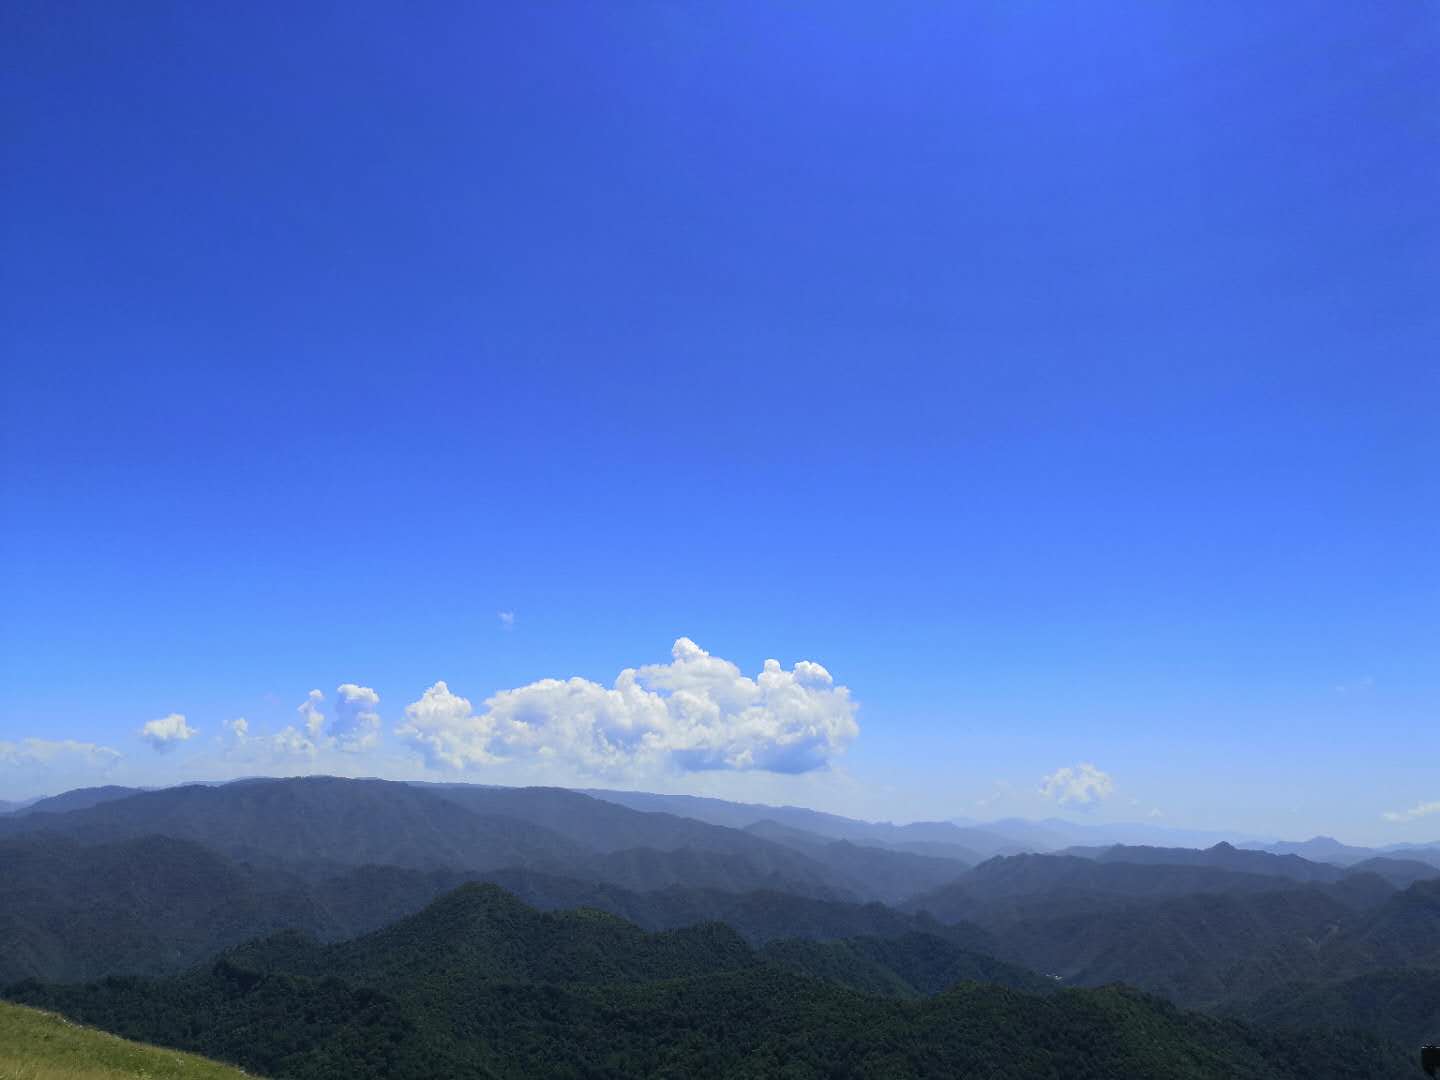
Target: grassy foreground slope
(37,1045)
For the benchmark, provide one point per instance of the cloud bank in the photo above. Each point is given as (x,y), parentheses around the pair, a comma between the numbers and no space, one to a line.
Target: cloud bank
(32,752)
(1077,785)
(167,733)
(698,712)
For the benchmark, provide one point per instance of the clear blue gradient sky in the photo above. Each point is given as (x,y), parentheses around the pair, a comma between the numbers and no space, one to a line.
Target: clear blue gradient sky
(1063,378)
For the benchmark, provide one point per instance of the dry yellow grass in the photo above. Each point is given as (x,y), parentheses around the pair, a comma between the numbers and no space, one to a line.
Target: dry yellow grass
(38,1045)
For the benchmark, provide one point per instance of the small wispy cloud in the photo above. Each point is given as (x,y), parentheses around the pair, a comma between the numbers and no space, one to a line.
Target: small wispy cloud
(1078,785)
(1000,791)
(1416,812)
(287,745)
(1356,686)
(167,732)
(507,619)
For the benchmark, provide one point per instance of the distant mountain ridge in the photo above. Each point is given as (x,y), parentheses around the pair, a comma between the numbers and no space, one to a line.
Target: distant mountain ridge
(989,838)
(986,838)
(1222,856)
(890,874)
(937,838)
(333,823)
(1318,849)
(313,820)
(1106,875)
(1327,849)
(1054,834)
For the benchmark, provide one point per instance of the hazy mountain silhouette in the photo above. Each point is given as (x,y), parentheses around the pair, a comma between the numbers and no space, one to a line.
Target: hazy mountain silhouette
(78,799)
(1222,856)
(1070,882)
(313,820)
(937,838)
(325,824)
(888,874)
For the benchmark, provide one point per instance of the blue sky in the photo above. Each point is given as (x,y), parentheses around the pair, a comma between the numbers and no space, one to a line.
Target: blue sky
(1062,380)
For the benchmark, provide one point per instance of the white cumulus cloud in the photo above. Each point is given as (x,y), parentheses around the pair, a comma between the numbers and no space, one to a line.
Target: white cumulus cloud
(444,728)
(1414,813)
(167,732)
(311,718)
(698,712)
(356,725)
(1079,785)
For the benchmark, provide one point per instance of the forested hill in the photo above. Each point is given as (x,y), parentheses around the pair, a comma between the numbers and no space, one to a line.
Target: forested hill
(479,985)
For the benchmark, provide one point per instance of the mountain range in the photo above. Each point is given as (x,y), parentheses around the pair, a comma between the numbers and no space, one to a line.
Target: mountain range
(311,889)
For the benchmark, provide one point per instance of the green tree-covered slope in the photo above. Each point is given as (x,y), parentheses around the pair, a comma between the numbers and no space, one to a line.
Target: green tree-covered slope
(478,985)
